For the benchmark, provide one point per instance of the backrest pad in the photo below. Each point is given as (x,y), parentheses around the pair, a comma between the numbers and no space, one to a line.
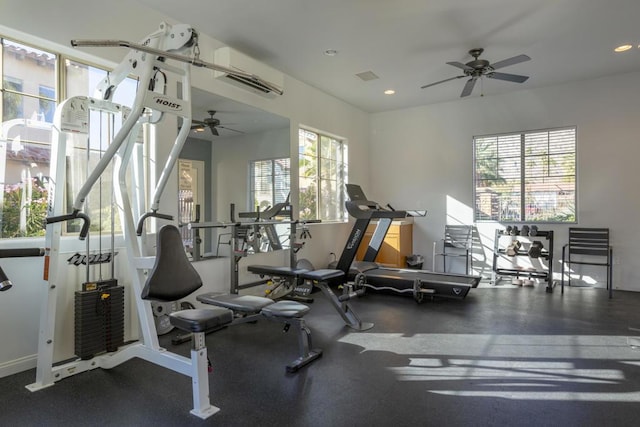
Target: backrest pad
(172,277)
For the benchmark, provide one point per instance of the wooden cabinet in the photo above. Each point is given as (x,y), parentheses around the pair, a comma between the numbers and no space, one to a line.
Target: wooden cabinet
(397,245)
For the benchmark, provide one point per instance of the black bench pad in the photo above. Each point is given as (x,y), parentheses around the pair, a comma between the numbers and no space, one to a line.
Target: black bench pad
(285,309)
(200,319)
(270,270)
(322,275)
(239,303)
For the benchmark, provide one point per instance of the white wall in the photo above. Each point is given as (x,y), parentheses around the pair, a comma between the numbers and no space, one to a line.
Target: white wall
(33,21)
(431,148)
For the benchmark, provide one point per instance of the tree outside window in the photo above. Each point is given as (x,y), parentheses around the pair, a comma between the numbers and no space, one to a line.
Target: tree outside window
(322,174)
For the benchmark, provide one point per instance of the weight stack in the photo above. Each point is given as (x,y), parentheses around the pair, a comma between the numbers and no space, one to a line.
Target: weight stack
(99,321)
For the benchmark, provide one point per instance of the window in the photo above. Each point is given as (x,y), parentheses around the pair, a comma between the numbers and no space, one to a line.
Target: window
(80,80)
(527,176)
(27,104)
(270,183)
(323,172)
(30,94)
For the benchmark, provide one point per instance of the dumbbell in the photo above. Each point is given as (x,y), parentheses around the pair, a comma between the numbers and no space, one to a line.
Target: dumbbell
(536,249)
(512,249)
(533,231)
(508,230)
(514,230)
(525,230)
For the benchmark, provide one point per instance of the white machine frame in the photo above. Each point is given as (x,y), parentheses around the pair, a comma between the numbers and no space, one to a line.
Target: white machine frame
(150,105)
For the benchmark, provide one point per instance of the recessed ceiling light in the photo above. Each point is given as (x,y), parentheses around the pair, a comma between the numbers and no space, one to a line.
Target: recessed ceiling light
(389,92)
(331,52)
(623,48)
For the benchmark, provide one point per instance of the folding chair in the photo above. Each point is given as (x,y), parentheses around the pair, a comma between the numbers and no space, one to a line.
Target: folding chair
(588,246)
(457,242)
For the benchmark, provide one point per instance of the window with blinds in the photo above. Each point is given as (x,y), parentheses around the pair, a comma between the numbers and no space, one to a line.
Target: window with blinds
(270,182)
(323,171)
(526,176)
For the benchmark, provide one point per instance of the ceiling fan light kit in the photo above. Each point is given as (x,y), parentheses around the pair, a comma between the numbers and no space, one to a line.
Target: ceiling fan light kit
(479,68)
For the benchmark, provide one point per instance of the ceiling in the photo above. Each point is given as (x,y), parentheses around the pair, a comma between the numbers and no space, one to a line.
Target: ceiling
(232,114)
(407,43)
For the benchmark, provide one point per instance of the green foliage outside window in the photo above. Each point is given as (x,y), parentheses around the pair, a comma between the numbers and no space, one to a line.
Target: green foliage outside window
(34,209)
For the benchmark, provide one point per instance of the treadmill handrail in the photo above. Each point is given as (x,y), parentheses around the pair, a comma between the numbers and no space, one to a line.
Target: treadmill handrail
(374,211)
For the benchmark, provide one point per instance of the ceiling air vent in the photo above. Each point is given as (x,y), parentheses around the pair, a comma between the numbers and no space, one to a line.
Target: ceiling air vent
(366,76)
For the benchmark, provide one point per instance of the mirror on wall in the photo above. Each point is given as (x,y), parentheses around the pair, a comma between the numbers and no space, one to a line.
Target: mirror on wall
(235,154)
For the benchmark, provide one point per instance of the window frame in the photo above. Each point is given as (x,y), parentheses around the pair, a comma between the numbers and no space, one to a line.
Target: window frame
(525,180)
(59,79)
(341,175)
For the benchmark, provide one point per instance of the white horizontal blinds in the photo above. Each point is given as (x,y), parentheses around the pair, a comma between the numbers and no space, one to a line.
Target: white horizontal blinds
(262,181)
(550,183)
(281,179)
(498,177)
(270,182)
(510,177)
(526,176)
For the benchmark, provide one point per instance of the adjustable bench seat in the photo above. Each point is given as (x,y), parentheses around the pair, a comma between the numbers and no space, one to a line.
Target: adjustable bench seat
(285,310)
(245,304)
(270,270)
(322,275)
(200,319)
(250,307)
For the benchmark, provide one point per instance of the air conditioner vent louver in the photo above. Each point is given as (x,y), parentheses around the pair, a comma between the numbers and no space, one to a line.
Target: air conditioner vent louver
(251,82)
(234,60)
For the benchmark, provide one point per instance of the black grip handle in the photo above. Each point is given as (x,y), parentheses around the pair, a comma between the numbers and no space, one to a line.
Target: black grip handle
(21,252)
(148,215)
(84,231)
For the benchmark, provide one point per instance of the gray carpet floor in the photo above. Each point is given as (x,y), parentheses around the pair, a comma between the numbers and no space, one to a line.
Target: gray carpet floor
(502,357)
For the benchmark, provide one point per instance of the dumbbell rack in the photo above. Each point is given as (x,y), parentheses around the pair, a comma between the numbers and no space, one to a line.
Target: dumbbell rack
(546,254)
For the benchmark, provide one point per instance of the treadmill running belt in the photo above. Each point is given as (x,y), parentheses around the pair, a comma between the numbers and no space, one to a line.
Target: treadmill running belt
(404,280)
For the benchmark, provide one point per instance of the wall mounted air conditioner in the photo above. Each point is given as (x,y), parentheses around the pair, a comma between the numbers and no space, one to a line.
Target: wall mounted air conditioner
(269,81)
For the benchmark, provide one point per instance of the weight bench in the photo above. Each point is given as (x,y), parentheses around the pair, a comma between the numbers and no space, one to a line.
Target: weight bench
(322,279)
(248,308)
(290,276)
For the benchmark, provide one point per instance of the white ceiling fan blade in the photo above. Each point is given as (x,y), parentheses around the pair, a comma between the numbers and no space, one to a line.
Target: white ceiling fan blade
(441,81)
(516,78)
(468,87)
(510,61)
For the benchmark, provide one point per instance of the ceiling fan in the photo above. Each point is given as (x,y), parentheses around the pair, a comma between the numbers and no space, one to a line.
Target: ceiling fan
(211,123)
(482,68)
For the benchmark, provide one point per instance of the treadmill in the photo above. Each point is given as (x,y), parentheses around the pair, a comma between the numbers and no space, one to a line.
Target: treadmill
(367,273)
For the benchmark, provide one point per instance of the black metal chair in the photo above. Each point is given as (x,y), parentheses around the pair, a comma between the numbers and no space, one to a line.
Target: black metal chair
(457,242)
(588,246)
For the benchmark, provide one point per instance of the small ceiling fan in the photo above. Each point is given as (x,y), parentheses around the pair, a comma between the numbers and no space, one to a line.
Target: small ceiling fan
(211,123)
(482,68)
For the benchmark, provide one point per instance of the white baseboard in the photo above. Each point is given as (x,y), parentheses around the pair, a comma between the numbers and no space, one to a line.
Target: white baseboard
(18,365)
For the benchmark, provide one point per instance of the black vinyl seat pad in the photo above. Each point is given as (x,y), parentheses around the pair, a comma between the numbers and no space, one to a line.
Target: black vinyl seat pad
(201,319)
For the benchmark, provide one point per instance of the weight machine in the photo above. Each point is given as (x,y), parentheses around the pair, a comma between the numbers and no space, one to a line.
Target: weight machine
(159,54)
